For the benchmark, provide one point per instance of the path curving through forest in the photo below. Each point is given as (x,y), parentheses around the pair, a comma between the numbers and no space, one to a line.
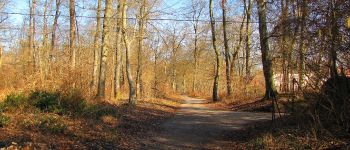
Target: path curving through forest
(196,126)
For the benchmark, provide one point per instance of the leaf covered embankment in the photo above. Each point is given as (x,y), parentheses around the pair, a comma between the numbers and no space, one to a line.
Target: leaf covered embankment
(56,120)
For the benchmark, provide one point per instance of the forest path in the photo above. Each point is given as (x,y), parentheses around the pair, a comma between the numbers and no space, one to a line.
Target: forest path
(196,126)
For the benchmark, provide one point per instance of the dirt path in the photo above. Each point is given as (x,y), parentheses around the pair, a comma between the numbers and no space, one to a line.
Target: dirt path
(196,126)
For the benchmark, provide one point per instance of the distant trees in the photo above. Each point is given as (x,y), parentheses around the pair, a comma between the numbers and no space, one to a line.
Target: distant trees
(292,42)
(197,9)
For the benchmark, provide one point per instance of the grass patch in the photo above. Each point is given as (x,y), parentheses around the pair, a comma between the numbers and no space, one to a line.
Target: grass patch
(4,120)
(45,123)
(13,102)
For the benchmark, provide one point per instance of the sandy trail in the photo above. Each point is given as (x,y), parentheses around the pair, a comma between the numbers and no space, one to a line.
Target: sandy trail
(196,126)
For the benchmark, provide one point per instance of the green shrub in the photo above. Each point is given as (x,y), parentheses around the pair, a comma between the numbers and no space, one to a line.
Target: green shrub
(14,101)
(98,110)
(73,103)
(46,101)
(4,120)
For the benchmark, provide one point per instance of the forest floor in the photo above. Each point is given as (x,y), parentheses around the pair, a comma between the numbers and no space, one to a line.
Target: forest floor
(105,126)
(178,122)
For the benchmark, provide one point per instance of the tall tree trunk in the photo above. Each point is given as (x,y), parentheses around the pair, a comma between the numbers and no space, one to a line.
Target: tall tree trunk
(118,54)
(132,94)
(72,34)
(334,34)
(301,50)
(194,84)
(248,39)
(217,54)
(104,49)
(238,46)
(53,35)
(45,43)
(32,61)
(97,50)
(264,45)
(227,52)
(141,21)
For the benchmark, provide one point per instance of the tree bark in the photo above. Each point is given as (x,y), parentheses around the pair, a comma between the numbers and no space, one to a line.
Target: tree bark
(118,55)
(217,54)
(54,28)
(45,54)
(31,36)
(132,94)
(301,66)
(248,39)
(96,67)
(334,34)
(238,46)
(139,90)
(104,49)
(72,34)
(264,46)
(227,53)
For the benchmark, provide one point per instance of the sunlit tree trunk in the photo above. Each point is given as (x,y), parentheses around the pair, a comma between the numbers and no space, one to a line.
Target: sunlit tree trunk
(217,54)
(139,90)
(95,71)
(248,9)
(104,49)
(53,35)
(194,84)
(118,53)
(72,33)
(32,61)
(132,94)
(45,54)
(227,52)
(264,46)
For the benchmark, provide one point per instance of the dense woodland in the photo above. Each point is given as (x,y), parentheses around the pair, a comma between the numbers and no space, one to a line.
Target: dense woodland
(292,54)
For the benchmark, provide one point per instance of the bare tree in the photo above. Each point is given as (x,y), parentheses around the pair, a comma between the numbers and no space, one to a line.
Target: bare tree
(141,22)
(132,94)
(31,35)
(197,11)
(95,71)
(217,54)
(72,33)
(104,49)
(264,46)
(45,54)
(54,28)
(248,9)
(227,51)
(118,52)
(301,50)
